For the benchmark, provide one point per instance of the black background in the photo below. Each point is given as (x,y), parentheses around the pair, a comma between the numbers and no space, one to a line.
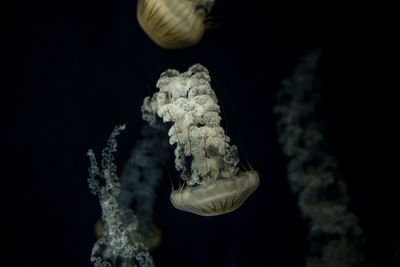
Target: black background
(75,69)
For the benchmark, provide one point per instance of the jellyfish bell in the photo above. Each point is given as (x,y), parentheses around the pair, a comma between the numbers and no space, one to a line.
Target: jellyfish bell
(173,24)
(150,236)
(217,197)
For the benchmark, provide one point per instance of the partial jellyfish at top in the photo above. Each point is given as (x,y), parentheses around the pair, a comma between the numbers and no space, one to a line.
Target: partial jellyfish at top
(174,24)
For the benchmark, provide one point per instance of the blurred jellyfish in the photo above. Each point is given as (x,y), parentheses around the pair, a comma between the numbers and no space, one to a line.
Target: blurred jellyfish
(140,176)
(174,24)
(208,164)
(335,236)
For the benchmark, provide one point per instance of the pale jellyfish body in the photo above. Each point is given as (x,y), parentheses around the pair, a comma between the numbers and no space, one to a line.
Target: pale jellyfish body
(208,164)
(221,196)
(173,24)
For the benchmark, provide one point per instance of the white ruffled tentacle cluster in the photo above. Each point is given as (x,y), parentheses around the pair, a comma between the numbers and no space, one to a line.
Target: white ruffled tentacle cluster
(202,152)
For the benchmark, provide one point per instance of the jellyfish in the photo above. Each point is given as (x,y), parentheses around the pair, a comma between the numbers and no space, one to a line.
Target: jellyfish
(208,164)
(174,24)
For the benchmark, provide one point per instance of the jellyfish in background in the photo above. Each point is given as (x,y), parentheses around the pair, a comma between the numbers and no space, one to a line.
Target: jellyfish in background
(208,164)
(118,244)
(139,179)
(174,24)
(335,236)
